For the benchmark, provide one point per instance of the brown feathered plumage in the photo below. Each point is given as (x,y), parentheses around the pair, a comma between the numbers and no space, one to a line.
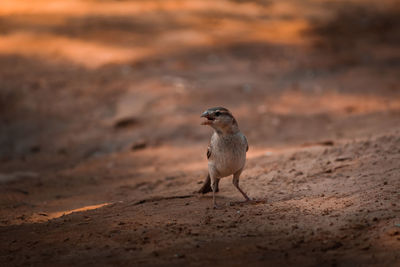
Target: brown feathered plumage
(226,153)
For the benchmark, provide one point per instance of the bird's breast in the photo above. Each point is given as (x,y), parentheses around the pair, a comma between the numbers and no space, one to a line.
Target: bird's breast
(228,155)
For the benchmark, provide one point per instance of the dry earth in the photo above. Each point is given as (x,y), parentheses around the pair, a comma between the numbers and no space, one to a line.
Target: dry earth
(101,148)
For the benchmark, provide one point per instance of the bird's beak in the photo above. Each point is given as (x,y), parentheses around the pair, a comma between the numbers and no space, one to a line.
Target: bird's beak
(205,114)
(208,117)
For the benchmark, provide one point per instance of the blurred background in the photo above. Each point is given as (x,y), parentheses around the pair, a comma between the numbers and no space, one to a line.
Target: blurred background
(101,146)
(83,82)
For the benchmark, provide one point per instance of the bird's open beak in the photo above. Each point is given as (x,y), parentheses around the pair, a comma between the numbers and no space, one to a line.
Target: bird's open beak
(209,119)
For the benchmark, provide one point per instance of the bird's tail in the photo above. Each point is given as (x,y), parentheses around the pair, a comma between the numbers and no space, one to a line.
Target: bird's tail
(207,186)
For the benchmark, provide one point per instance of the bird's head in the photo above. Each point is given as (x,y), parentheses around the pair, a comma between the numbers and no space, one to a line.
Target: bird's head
(221,119)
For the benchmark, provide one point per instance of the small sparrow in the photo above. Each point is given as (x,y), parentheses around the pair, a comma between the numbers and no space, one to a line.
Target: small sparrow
(226,153)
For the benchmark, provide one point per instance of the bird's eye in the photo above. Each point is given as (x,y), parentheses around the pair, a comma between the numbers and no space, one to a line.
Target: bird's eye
(217,113)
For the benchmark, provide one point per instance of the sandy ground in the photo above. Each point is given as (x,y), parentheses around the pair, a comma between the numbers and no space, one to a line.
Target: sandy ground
(101,147)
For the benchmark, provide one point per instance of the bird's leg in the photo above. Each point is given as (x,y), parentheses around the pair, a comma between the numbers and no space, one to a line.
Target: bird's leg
(235,182)
(214,184)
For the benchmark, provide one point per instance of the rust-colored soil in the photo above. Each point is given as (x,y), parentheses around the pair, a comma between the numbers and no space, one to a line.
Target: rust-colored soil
(101,148)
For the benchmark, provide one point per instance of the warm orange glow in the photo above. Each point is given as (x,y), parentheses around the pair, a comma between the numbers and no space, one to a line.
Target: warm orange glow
(227,22)
(89,54)
(306,104)
(84,7)
(41,217)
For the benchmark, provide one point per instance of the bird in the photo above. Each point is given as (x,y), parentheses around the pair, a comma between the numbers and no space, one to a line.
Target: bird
(226,152)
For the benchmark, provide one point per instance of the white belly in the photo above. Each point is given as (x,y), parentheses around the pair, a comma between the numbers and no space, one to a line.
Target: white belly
(224,169)
(228,162)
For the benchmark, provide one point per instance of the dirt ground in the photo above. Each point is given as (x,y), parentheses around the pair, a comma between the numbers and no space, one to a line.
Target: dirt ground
(101,147)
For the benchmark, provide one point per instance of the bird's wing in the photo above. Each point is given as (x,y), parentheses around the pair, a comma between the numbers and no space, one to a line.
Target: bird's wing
(247,144)
(208,151)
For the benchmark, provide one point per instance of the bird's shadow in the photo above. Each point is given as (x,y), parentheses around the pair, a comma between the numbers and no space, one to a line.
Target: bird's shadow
(248,202)
(233,203)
